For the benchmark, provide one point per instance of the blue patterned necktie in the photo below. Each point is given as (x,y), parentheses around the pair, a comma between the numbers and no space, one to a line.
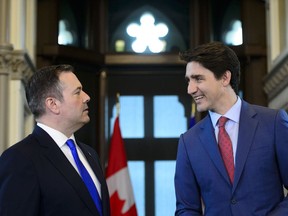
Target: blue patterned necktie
(86,177)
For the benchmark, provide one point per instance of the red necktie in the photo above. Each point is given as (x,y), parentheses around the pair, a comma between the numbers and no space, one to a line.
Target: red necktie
(225,146)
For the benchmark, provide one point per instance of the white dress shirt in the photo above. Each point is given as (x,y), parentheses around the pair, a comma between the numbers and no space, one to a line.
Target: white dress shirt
(60,139)
(231,126)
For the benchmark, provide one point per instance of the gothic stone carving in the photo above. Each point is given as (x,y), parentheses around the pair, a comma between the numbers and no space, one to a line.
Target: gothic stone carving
(17,64)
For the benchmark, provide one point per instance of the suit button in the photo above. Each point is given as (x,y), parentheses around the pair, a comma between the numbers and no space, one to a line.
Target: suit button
(233,201)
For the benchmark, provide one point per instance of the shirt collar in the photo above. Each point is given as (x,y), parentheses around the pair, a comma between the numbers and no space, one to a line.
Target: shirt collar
(56,135)
(233,113)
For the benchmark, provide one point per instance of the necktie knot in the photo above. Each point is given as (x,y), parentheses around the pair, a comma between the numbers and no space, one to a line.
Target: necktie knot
(222,121)
(71,144)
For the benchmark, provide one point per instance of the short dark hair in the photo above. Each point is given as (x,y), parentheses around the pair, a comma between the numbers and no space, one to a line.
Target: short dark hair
(45,83)
(216,57)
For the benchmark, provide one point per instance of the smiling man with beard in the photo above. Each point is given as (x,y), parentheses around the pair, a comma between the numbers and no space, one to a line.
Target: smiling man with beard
(234,161)
(50,172)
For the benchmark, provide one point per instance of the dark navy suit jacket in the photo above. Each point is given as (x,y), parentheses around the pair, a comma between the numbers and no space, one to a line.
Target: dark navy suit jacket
(36,179)
(261,168)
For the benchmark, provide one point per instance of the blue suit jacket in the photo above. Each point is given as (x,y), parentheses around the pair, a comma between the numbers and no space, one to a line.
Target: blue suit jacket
(36,179)
(261,168)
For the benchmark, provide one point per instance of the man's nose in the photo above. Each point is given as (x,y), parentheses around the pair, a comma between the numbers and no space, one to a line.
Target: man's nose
(192,88)
(86,97)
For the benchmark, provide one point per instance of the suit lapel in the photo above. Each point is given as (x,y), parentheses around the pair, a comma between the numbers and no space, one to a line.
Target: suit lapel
(94,164)
(247,128)
(54,154)
(207,137)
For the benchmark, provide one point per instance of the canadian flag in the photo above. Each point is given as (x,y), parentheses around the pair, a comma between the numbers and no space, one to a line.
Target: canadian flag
(117,176)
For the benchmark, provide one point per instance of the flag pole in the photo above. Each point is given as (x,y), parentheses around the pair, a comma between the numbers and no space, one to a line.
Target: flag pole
(117,104)
(193,109)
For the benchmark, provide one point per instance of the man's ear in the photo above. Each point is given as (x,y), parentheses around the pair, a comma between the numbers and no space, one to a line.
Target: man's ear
(226,78)
(52,104)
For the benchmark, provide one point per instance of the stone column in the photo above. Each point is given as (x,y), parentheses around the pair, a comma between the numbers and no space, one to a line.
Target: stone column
(21,69)
(5,49)
(4,99)
(4,21)
(15,69)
